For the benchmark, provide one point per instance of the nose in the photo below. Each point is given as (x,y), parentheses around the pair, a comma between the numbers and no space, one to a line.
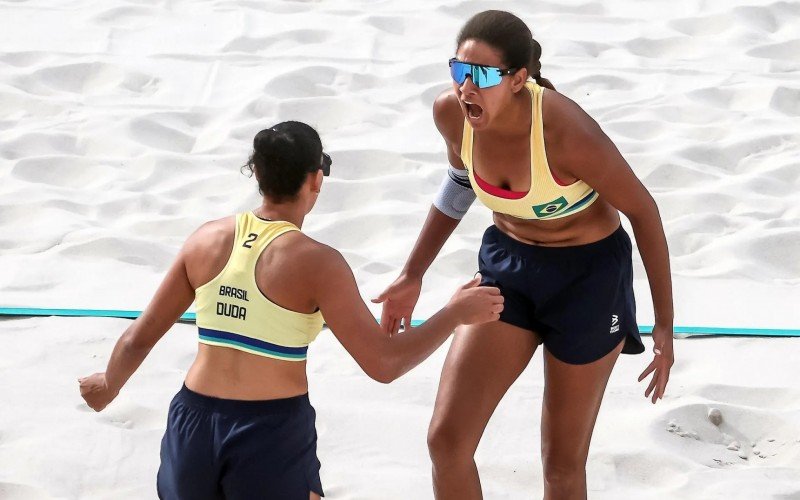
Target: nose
(468,87)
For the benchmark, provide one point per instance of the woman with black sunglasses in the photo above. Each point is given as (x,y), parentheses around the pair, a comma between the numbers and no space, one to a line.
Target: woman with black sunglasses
(242,425)
(556,185)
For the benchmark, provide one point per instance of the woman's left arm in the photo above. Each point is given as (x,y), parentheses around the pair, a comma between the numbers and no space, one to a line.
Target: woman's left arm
(593,157)
(173,297)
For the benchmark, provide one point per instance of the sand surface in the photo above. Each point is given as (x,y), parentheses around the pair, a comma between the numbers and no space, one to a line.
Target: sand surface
(122,127)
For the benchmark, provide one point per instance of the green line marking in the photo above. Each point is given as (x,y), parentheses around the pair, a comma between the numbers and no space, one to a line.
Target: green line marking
(191,317)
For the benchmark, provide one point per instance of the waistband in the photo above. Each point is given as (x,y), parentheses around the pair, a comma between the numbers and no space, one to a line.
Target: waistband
(494,235)
(240,406)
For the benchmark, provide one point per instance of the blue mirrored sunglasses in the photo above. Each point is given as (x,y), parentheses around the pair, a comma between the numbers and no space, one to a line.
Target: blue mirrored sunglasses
(482,76)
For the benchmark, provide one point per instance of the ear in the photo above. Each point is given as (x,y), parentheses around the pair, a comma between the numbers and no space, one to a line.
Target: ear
(316,181)
(518,79)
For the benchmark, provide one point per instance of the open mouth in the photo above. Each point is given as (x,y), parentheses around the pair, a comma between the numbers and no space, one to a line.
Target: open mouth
(473,110)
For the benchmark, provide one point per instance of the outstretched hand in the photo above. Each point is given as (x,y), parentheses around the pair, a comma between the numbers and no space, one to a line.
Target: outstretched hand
(663,360)
(399,300)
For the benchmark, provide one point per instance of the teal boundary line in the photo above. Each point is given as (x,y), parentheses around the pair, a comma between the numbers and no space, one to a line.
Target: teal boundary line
(191,317)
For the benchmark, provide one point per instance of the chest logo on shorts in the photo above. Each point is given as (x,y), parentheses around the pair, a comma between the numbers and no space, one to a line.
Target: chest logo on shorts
(614,323)
(550,208)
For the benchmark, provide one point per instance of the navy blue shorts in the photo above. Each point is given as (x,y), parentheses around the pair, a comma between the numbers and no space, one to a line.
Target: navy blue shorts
(579,299)
(229,449)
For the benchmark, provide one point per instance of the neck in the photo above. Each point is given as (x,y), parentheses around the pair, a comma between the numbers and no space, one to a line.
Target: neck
(289,212)
(516,118)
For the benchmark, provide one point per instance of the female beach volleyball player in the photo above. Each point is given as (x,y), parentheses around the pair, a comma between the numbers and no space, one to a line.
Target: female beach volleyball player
(242,425)
(556,184)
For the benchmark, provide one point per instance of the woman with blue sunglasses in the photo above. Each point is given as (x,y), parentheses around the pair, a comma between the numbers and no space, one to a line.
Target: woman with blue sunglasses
(557,251)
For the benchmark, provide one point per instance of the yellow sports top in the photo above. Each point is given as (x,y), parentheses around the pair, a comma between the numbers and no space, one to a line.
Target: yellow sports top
(232,311)
(547,198)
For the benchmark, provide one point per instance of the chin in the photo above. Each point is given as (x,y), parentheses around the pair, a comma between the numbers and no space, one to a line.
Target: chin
(480,124)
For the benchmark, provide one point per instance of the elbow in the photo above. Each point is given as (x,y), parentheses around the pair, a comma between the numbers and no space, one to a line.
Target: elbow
(383,377)
(384,370)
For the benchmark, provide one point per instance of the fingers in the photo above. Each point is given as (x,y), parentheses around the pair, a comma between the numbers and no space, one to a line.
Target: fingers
(662,385)
(472,283)
(379,299)
(647,371)
(651,386)
(385,322)
(659,393)
(395,326)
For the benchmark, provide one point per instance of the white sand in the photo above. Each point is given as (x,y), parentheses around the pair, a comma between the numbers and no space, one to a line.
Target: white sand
(122,124)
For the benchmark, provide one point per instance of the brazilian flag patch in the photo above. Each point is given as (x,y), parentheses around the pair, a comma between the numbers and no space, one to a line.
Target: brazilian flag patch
(550,208)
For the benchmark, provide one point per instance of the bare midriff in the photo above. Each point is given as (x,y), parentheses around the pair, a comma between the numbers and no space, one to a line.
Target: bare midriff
(227,373)
(588,226)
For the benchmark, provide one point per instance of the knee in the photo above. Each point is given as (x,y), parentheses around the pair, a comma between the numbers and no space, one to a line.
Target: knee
(446,443)
(564,472)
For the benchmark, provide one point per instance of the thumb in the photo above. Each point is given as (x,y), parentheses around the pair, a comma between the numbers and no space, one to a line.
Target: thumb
(380,298)
(473,282)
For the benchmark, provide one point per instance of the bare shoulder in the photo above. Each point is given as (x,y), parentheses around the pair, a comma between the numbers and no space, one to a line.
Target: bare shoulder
(448,116)
(212,234)
(309,256)
(575,136)
(565,116)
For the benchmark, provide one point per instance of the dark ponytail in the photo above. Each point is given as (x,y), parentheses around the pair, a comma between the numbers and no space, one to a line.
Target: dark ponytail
(511,36)
(535,65)
(282,157)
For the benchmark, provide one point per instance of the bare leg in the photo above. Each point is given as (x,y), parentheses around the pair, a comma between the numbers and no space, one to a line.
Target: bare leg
(313,496)
(483,362)
(572,397)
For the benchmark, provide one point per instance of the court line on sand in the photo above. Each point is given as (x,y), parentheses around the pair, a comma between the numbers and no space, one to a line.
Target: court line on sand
(190,317)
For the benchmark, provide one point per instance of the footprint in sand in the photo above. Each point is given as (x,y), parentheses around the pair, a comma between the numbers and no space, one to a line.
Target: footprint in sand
(128,17)
(680,47)
(288,39)
(394,25)
(24,59)
(39,144)
(703,25)
(123,249)
(165,131)
(757,18)
(310,81)
(784,50)
(721,435)
(87,79)
(74,172)
(786,101)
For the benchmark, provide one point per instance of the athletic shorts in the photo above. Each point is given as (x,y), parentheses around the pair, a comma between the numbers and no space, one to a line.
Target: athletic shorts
(579,299)
(230,449)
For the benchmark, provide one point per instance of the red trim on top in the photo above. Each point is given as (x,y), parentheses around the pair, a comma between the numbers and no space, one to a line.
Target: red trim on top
(558,181)
(498,191)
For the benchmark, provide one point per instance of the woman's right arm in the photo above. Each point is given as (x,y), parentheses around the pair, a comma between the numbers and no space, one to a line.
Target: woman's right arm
(382,357)
(400,298)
